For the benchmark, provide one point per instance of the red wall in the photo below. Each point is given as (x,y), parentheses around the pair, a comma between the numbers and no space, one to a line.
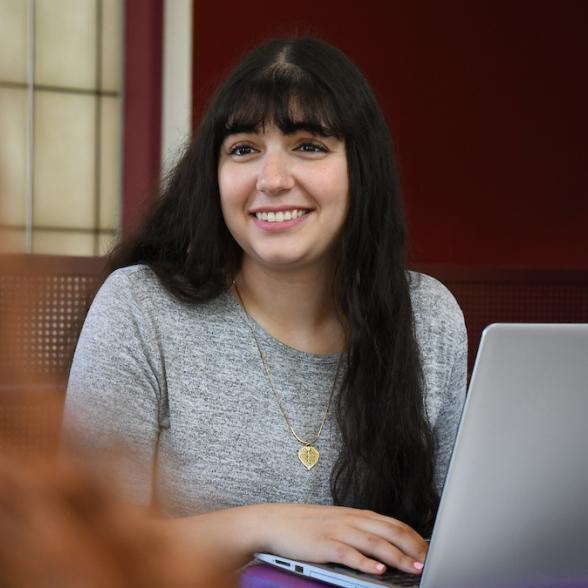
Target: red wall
(487,103)
(142,107)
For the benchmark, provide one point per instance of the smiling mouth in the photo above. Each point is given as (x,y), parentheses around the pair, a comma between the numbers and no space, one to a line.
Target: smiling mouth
(280,216)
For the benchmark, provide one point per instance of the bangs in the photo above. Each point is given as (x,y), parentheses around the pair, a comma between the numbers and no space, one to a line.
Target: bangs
(286,97)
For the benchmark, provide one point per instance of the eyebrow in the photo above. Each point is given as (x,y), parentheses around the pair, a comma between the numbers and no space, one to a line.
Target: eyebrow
(291,128)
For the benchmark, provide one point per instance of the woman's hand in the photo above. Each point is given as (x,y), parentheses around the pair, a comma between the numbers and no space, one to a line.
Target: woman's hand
(360,539)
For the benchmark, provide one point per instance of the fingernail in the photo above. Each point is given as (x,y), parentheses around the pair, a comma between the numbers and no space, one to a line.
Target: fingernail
(380,567)
(418,565)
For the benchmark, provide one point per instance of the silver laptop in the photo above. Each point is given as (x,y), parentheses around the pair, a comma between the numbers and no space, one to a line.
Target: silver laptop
(514,510)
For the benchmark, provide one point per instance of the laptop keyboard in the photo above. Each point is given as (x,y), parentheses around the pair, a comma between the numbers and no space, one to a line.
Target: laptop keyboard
(393,577)
(400,579)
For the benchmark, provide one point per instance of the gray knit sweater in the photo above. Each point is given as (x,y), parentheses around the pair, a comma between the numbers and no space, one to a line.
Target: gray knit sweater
(182,385)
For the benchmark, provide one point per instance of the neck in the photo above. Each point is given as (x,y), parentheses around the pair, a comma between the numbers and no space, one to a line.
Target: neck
(296,307)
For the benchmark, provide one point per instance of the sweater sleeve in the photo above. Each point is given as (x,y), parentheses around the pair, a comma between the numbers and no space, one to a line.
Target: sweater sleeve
(442,338)
(449,417)
(115,386)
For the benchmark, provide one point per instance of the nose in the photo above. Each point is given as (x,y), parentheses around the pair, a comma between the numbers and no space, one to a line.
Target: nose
(274,175)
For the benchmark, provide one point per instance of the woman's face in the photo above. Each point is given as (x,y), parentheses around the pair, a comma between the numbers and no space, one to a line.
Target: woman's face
(284,197)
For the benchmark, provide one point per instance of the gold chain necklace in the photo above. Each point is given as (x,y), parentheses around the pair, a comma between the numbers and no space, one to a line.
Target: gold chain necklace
(308,454)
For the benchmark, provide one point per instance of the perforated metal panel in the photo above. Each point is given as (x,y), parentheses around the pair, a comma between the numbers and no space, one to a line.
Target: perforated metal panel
(44,313)
(43,301)
(513,295)
(485,303)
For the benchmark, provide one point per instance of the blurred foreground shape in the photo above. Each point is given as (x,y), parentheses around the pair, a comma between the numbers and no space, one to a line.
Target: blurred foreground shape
(61,522)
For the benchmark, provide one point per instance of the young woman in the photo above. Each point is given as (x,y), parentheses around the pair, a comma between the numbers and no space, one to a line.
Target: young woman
(261,350)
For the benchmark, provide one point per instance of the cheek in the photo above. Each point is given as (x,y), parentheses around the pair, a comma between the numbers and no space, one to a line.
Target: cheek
(226,200)
(236,189)
(340,197)
(336,185)
(228,179)
(226,188)
(233,200)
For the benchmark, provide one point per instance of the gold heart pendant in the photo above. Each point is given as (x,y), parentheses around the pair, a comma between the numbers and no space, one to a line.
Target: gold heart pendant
(308,455)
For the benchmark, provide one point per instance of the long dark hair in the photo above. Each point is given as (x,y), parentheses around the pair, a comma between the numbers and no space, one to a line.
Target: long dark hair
(386,460)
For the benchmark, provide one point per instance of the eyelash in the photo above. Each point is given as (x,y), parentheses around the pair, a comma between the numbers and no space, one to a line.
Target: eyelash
(236,148)
(316,147)
(303,147)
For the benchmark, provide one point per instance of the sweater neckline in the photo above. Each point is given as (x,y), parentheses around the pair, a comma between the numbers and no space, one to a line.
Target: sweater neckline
(269,340)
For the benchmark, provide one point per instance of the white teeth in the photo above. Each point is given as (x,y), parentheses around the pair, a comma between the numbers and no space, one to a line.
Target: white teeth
(279,217)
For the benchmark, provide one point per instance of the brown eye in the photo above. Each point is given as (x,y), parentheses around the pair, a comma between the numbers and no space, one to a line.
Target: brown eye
(311,147)
(241,150)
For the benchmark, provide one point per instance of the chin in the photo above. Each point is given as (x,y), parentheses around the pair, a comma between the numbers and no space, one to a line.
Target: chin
(280,263)
(281,260)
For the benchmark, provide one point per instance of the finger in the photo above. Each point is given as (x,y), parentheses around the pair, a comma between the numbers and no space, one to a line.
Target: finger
(344,554)
(394,532)
(377,548)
